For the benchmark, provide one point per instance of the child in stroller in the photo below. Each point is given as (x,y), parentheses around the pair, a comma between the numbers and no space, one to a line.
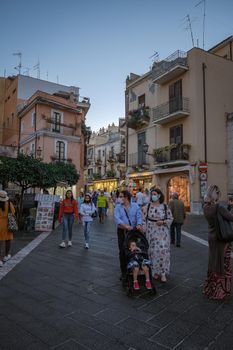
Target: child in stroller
(138,264)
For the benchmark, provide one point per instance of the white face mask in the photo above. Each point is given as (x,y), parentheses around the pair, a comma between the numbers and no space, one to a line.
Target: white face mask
(155,197)
(120,200)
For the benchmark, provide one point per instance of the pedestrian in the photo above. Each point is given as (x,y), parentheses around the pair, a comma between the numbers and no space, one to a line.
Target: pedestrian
(107,194)
(102,201)
(87,211)
(80,200)
(157,222)
(67,213)
(94,198)
(178,212)
(218,282)
(5,235)
(146,197)
(139,197)
(128,216)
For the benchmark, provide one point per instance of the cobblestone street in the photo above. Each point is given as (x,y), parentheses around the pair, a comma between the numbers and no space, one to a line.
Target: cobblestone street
(72,299)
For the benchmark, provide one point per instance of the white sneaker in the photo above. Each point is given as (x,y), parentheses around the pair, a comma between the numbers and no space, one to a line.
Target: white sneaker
(62,245)
(7,257)
(69,243)
(163,277)
(1,263)
(86,246)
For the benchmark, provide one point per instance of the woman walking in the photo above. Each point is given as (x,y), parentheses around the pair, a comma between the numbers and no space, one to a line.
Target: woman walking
(67,213)
(157,221)
(218,283)
(87,210)
(5,234)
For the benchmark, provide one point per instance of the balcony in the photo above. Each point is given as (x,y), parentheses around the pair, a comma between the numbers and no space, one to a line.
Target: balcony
(138,160)
(120,157)
(98,161)
(170,68)
(138,118)
(171,110)
(111,157)
(172,155)
(56,159)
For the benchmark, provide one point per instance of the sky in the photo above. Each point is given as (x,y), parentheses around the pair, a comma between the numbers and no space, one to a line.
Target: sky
(95,44)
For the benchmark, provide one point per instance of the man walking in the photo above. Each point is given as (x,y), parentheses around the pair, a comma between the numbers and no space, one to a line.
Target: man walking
(178,212)
(102,202)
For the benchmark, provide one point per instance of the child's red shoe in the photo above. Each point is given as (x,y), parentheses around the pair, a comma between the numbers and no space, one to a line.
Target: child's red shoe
(148,285)
(136,285)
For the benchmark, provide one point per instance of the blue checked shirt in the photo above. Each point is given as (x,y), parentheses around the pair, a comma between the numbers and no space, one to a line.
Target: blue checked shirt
(134,213)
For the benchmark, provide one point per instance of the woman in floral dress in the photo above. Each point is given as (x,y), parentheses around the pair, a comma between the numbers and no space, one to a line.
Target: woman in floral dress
(157,222)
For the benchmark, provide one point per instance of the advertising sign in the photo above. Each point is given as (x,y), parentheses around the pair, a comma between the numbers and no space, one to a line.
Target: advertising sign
(45,211)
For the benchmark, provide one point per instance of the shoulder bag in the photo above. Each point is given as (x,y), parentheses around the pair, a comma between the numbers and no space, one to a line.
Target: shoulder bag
(224,229)
(12,222)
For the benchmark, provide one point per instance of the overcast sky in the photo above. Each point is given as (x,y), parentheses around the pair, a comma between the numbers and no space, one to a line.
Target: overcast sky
(95,44)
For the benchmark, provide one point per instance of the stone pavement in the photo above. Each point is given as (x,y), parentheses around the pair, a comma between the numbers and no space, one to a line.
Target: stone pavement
(71,299)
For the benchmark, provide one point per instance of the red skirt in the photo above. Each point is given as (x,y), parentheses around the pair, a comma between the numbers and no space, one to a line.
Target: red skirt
(218,286)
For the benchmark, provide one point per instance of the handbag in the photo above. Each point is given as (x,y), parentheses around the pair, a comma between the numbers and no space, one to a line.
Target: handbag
(224,229)
(12,222)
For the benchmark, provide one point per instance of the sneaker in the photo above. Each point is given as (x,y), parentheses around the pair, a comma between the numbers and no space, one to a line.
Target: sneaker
(69,243)
(7,257)
(136,285)
(163,278)
(148,285)
(86,246)
(1,263)
(62,245)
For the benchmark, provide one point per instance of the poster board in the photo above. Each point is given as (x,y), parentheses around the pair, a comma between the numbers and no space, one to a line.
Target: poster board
(45,211)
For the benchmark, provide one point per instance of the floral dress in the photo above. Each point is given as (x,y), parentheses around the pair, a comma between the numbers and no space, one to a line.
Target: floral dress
(158,237)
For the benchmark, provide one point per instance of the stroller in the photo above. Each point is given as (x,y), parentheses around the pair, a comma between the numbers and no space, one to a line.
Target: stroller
(142,243)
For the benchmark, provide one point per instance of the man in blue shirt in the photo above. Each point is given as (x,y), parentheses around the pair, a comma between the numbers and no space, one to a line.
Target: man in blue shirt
(128,216)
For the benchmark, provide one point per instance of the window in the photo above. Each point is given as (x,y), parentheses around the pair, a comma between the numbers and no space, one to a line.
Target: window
(32,149)
(57,121)
(141,101)
(99,154)
(103,153)
(90,153)
(60,150)
(33,119)
(90,172)
(175,96)
(176,134)
(141,154)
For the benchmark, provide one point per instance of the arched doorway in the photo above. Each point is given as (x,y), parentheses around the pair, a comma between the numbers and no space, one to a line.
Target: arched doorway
(180,184)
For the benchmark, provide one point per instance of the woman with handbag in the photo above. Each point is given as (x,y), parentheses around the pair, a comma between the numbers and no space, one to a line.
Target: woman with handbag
(5,234)
(218,282)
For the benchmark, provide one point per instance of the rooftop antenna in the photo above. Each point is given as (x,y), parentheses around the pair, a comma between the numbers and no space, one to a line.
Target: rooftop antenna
(47,75)
(27,71)
(190,28)
(19,54)
(5,73)
(37,68)
(204,16)
(155,57)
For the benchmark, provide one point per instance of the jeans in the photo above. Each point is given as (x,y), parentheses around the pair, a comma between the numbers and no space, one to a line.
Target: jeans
(176,231)
(87,229)
(122,257)
(67,220)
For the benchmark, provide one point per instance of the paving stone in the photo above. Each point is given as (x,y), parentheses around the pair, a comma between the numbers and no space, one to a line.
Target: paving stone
(200,339)
(142,328)
(70,345)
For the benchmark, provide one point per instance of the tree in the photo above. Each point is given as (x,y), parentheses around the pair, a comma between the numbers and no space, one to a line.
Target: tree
(61,172)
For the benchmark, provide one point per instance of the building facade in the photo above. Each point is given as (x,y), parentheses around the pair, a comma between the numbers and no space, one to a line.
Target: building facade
(45,119)
(105,167)
(191,103)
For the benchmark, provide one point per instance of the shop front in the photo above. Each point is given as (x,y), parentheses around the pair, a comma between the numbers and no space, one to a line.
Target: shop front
(140,180)
(180,180)
(108,184)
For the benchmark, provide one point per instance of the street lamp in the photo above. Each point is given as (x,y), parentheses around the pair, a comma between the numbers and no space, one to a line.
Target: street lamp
(145,148)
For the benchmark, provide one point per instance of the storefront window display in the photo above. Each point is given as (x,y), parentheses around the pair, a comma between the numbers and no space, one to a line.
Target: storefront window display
(180,184)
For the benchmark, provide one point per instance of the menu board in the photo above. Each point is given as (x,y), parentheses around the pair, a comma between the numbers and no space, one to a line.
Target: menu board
(45,211)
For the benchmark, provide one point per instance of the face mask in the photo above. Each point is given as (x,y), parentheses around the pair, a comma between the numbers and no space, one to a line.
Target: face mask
(120,200)
(155,197)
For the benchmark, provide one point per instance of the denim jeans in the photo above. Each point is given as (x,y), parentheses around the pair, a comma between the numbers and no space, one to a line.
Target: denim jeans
(87,229)
(67,220)
(176,231)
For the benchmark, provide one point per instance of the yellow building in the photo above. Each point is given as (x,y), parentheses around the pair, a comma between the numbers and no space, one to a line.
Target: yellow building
(177,117)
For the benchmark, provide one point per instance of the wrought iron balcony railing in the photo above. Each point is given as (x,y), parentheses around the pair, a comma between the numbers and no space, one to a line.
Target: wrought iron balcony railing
(138,159)
(173,154)
(174,108)
(138,118)
(176,60)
